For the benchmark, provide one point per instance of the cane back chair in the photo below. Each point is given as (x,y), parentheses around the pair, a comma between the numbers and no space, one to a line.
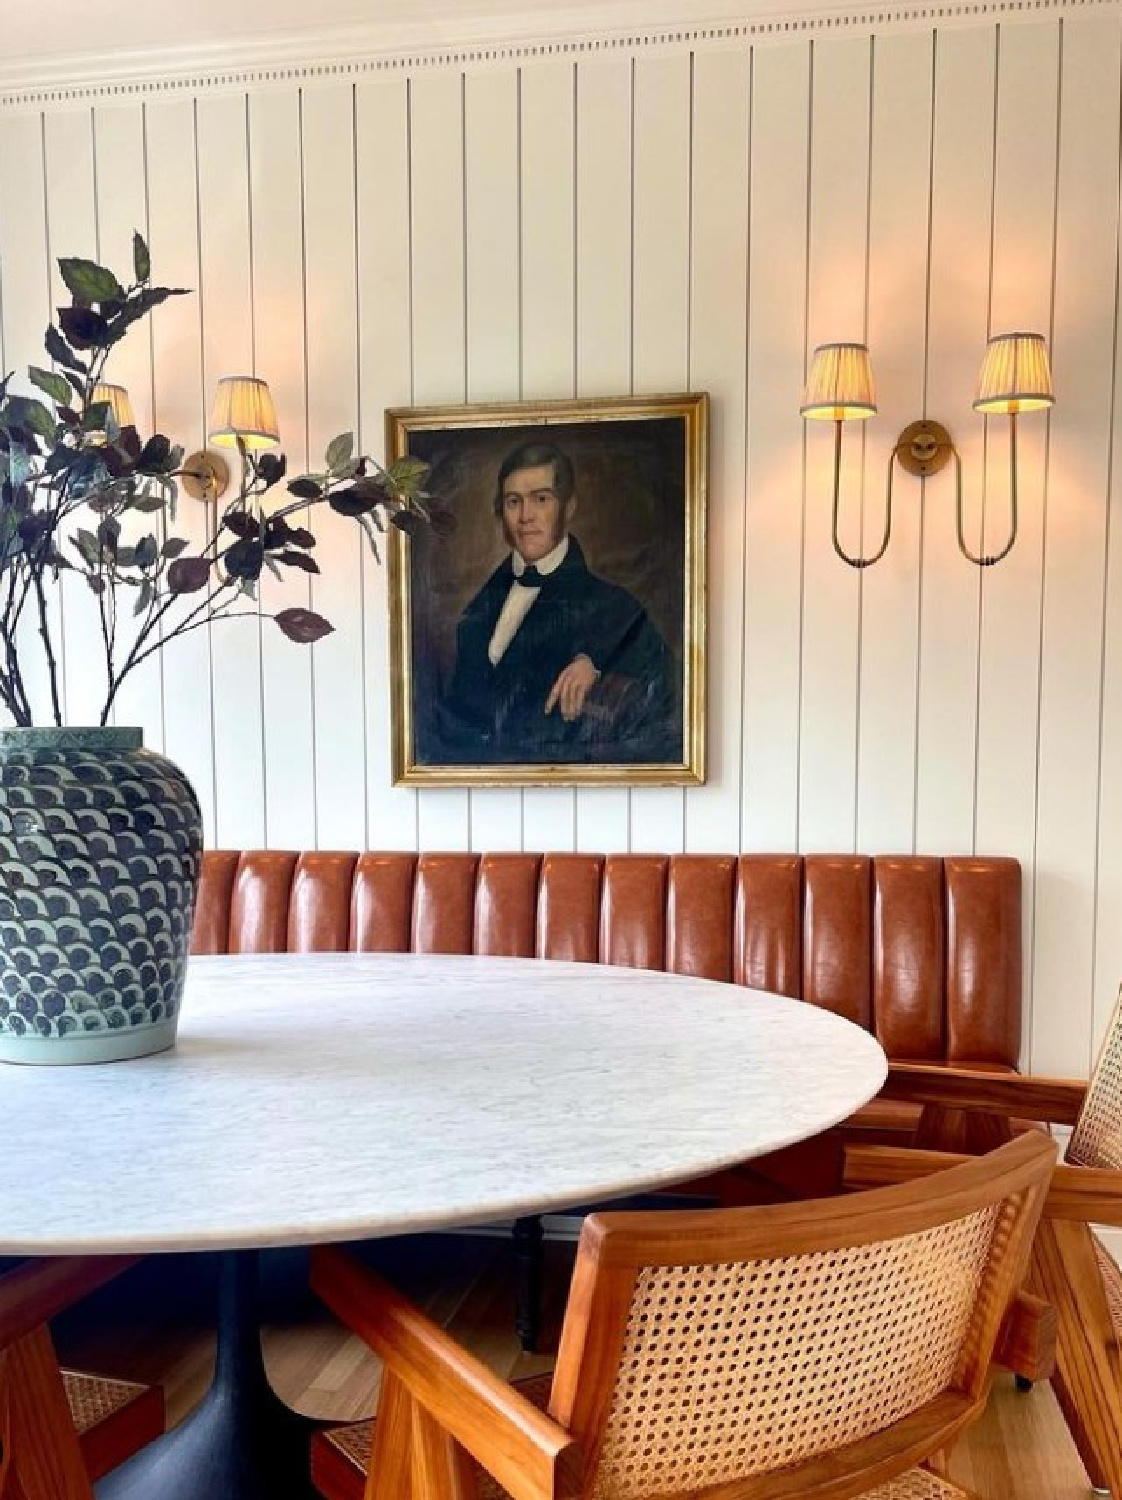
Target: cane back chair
(61,1430)
(1069,1266)
(832,1348)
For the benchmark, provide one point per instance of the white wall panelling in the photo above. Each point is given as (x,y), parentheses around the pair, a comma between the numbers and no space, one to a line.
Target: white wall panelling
(654,215)
(70,177)
(722,100)
(959,294)
(605,305)
(838,269)
(888,633)
(771,630)
(279,352)
(439,327)
(385,378)
(660,323)
(547,268)
(225,283)
(492,290)
(179,408)
(122,209)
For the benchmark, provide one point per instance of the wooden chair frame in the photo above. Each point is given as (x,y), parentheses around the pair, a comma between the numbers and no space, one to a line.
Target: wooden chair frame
(41,1457)
(964,1109)
(438,1402)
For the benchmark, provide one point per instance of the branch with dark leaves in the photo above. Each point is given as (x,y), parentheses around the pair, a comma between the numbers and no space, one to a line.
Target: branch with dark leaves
(65,457)
(255,533)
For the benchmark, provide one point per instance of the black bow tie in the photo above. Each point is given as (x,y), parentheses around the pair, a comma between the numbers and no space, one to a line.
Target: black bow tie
(531,578)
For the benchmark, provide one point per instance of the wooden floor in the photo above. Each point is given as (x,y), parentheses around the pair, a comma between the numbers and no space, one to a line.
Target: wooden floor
(152,1326)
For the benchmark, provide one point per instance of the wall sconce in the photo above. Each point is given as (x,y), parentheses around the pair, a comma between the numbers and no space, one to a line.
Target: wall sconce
(243,408)
(1015,377)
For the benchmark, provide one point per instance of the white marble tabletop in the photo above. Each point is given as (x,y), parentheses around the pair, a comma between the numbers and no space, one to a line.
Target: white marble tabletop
(330,1097)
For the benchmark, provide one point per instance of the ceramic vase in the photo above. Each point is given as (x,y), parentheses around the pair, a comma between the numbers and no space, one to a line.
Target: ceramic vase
(100,844)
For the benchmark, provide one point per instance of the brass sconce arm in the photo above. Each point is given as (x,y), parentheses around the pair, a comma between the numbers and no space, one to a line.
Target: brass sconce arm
(987,560)
(858,562)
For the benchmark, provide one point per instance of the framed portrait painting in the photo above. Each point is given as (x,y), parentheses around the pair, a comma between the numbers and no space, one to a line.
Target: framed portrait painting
(548,626)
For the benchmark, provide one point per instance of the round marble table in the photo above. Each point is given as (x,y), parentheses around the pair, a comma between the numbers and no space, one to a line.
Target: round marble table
(332,1097)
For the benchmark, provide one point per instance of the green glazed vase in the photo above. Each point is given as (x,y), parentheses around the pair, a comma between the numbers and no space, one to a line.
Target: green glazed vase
(100,844)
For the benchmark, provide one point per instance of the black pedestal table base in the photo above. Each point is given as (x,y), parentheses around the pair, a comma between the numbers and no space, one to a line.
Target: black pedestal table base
(241,1442)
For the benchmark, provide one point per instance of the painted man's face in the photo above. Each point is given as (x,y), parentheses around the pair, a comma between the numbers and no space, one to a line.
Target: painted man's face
(534,518)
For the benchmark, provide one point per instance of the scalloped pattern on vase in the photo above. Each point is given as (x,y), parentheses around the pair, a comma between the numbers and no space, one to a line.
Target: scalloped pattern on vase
(100,844)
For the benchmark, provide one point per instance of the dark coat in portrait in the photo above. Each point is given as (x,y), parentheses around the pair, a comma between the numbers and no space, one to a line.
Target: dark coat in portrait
(495,714)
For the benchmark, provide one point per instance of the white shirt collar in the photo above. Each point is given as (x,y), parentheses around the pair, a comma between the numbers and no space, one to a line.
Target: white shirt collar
(548,564)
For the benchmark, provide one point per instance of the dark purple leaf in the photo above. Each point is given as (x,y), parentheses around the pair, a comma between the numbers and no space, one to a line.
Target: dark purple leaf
(442,521)
(408,521)
(61,353)
(303,625)
(187,575)
(298,560)
(244,559)
(241,523)
(271,467)
(351,501)
(154,455)
(305,489)
(84,329)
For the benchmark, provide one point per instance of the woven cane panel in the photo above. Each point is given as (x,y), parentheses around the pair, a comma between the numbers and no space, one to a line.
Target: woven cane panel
(917,1484)
(1112,1281)
(1097,1138)
(733,1370)
(353,1442)
(93,1399)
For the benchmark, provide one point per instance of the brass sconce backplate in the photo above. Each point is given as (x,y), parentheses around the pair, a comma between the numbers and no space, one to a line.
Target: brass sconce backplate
(924,448)
(205,475)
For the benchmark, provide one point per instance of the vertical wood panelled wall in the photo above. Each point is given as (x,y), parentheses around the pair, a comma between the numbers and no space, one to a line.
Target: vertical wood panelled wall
(647,219)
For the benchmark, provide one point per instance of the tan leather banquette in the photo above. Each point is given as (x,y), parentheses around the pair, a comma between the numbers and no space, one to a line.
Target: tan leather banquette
(926,952)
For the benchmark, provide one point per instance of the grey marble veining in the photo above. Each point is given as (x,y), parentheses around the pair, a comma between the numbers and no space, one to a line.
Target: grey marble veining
(330,1097)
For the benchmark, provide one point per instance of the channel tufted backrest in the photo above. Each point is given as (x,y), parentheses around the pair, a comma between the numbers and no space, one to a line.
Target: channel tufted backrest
(924,951)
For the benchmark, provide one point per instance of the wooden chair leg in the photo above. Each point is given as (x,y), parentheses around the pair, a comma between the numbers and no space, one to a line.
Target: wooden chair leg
(528,1236)
(388,1477)
(440,1468)
(1088,1378)
(39,1454)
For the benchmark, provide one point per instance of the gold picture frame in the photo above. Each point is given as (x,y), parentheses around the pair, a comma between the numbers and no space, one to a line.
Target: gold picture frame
(610,496)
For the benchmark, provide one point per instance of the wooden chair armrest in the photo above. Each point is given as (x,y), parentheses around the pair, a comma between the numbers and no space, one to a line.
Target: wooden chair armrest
(1088,1195)
(530,1455)
(36,1292)
(884,1166)
(1056,1100)
(1027,1342)
(1092,1195)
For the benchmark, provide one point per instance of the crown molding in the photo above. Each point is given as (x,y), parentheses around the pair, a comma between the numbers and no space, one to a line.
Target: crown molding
(459,41)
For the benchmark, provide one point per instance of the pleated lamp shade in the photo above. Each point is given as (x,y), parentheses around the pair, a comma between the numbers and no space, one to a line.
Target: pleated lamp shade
(243,408)
(1016,375)
(118,399)
(840,384)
